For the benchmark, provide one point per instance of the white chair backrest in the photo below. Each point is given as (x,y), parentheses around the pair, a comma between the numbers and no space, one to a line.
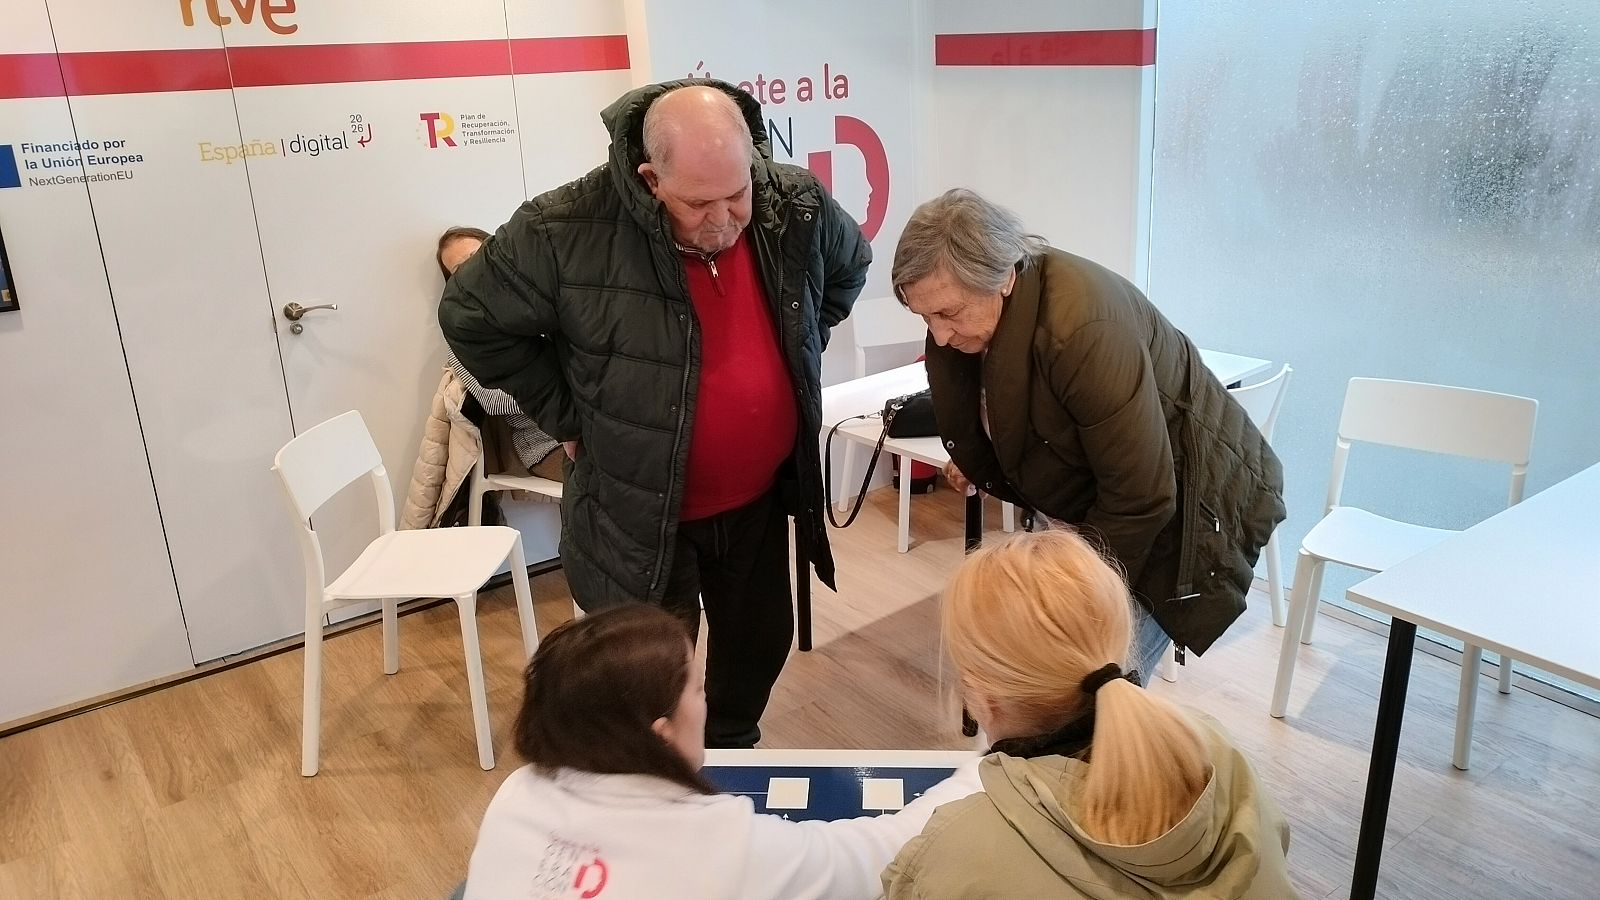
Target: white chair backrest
(1436,418)
(1439,419)
(323,460)
(1261,401)
(883,322)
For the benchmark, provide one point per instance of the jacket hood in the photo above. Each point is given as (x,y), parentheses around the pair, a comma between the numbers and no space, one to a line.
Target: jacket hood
(1037,797)
(624,121)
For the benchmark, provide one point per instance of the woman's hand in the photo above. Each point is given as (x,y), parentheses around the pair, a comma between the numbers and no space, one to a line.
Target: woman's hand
(573,449)
(958,480)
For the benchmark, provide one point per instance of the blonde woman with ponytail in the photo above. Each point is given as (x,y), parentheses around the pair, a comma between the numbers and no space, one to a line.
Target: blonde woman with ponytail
(1094,787)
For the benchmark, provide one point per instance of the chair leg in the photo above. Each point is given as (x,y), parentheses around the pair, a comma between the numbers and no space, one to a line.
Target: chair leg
(1169,666)
(311,710)
(1467,705)
(1274,580)
(1304,574)
(1312,598)
(847,478)
(1507,670)
(467,606)
(391,636)
(519,583)
(1008,518)
(905,509)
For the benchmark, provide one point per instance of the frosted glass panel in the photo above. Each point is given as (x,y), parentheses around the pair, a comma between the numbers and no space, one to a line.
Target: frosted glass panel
(1404,190)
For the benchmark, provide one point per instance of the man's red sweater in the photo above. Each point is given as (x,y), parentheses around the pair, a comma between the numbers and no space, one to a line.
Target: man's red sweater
(746,416)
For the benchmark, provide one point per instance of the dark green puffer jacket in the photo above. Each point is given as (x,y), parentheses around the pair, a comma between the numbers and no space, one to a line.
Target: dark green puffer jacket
(1102,414)
(579,308)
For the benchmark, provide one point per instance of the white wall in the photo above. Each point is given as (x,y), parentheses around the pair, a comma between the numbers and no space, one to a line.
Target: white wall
(1065,146)
(87,601)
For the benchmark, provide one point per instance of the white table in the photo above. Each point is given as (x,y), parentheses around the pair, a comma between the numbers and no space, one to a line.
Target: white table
(830,784)
(863,396)
(1524,583)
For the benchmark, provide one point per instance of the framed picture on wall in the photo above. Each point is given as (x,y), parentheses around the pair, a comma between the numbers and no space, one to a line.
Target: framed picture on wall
(8,288)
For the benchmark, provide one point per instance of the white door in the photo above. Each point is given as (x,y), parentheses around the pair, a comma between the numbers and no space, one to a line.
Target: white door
(351,203)
(183,258)
(87,601)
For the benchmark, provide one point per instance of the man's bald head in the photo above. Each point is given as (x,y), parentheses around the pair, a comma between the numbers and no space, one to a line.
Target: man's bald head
(701,120)
(699,153)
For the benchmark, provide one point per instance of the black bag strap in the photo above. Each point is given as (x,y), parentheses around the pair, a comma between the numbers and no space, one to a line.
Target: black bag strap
(827,469)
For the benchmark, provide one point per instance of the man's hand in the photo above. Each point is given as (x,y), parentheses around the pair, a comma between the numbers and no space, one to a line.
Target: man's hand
(573,449)
(958,480)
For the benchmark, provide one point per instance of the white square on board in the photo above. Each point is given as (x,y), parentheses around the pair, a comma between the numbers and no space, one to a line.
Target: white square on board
(788,793)
(883,793)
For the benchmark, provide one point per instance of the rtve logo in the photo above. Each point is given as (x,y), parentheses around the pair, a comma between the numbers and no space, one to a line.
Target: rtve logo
(246,11)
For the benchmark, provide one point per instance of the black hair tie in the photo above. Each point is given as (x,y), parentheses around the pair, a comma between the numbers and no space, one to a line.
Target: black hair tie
(1102,676)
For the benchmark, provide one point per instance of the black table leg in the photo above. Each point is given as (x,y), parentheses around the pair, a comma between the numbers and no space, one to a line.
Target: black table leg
(1385,747)
(802,586)
(974,522)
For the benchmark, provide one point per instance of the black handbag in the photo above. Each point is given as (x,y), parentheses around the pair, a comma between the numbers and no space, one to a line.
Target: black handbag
(910,416)
(903,417)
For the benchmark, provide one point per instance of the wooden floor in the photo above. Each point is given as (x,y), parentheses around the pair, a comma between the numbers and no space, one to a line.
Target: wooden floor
(194,792)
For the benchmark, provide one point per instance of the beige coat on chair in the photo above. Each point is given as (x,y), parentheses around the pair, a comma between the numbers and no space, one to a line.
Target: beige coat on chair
(450,446)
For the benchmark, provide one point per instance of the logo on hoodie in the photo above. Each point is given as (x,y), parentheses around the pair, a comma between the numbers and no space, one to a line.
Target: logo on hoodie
(570,871)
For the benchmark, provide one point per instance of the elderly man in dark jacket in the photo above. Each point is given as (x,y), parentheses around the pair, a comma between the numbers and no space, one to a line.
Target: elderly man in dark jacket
(1059,387)
(664,316)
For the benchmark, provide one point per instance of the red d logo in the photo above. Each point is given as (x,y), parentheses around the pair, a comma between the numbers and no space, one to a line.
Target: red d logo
(851,131)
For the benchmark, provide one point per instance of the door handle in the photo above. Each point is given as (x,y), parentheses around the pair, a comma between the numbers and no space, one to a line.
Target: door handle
(293,311)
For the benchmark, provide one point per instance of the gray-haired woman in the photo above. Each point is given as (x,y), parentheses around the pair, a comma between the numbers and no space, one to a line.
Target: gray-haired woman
(1059,387)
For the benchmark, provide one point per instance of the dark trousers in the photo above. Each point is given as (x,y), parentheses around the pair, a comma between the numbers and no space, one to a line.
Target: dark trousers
(737,563)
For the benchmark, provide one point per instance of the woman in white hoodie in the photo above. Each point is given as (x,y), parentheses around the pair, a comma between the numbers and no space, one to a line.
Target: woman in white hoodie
(612,806)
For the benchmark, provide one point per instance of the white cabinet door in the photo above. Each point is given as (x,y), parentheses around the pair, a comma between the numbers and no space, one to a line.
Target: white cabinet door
(363,178)
(184,262)
(87,601)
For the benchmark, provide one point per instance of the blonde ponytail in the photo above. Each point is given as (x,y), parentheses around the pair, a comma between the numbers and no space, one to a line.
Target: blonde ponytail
(1026,620)
(1146,769)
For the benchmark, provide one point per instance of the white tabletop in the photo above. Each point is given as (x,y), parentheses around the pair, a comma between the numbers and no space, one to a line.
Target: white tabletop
(861,396)
(1525,582)
(876,759)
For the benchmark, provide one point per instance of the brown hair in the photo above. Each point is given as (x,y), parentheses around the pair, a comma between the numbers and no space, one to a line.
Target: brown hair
(1025,620)
(595,686)
(456,233)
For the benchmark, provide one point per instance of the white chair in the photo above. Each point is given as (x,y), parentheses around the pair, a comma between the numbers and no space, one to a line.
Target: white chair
(482,483)
(885,322)
(444,562)
(1410,415)
(1261,402)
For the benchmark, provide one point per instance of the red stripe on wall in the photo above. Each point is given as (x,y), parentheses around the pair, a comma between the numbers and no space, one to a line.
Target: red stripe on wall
(541,56)
(24,75)
(1047,48)
(159,71)
(144,71)
(345,63)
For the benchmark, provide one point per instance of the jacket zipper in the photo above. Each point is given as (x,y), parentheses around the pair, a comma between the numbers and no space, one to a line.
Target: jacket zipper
(683,412)
(777,308)
(710,259)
